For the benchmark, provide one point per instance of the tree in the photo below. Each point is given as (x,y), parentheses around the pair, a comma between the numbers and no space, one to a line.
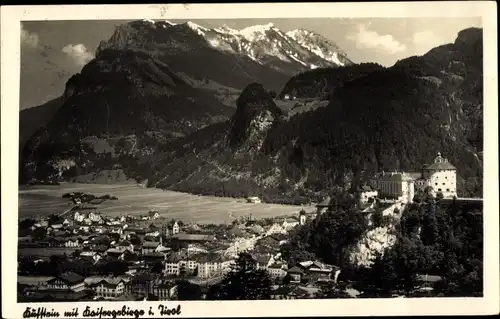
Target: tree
(157,267)
(27,266)
(115,267)
(439,196)
(26,223)
(76,253)
(134,240)
(244,282)
(54,219)
(187,290)
(39,233)
(330,291)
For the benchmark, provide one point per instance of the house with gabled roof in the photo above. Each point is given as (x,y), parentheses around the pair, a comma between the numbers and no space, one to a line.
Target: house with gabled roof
(109,287)
(149,246)
(318,270)
(290,222)
(263,260)
(277,270)
(295,274)
(323,206)
(275,228)
(67,281)
(152,214)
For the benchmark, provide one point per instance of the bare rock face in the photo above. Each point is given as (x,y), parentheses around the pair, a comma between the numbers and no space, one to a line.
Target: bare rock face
(376,240)
(255,114)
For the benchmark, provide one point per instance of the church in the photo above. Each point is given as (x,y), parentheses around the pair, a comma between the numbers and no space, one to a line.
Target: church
(440,176)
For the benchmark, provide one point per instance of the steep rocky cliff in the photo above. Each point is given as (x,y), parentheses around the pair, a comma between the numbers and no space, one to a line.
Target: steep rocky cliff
(255,114)
(122,103)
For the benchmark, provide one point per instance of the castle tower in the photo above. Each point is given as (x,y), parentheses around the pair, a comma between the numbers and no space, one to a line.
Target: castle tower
(441,176)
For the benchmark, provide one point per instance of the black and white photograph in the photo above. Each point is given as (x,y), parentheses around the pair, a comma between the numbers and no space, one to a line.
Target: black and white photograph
(173,158)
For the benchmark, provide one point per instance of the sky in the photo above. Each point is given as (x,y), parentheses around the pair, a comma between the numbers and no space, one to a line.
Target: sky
(52,51)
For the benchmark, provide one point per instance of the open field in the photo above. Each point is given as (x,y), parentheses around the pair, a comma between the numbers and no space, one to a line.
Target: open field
(135,200)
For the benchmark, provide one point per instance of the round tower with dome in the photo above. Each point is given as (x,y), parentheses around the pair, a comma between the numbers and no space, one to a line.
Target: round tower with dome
(441,176)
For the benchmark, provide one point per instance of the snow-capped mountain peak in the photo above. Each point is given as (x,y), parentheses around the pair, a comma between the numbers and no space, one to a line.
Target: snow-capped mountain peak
(264,43)
(226,30)
(197,28)
(320,46)
(170,23)
(255,32)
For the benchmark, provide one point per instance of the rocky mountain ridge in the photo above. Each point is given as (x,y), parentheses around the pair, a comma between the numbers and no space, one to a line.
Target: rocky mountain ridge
(376,119)
(288,52)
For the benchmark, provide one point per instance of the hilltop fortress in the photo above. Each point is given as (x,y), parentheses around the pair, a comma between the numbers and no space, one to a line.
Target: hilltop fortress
(438,177)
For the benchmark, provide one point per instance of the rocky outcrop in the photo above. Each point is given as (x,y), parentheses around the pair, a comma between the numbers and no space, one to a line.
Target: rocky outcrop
(376,240)
(118,94)
(255,114)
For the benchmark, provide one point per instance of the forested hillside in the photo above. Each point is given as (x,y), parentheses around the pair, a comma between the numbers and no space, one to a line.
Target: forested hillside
(387,119)
(432,239)
(377,119)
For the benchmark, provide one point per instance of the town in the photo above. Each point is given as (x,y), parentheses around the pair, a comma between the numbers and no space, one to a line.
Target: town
(81,254)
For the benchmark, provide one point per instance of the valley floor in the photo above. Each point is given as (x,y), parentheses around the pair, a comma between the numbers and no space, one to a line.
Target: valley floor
(43,200)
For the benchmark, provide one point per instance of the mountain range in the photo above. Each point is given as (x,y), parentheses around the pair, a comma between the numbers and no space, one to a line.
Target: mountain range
(258,112)
(260,53)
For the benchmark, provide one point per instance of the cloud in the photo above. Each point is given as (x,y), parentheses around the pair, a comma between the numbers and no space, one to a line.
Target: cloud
(78,53)
(29,39)
(425,40)
(368,39)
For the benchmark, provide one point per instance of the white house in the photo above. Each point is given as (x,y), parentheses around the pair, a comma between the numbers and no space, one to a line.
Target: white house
(153,214)
(108,288)
(277,270)
(396,185)
(209,265)
(95,217)
(212,265)
(72,242)
(441,176)
(290,223)
(172,268)
(276,229)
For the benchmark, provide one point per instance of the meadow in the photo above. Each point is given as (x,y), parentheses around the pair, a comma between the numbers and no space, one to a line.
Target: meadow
(43,200)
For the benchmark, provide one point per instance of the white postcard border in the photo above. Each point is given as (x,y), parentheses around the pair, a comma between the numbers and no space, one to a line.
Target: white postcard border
(11,16)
